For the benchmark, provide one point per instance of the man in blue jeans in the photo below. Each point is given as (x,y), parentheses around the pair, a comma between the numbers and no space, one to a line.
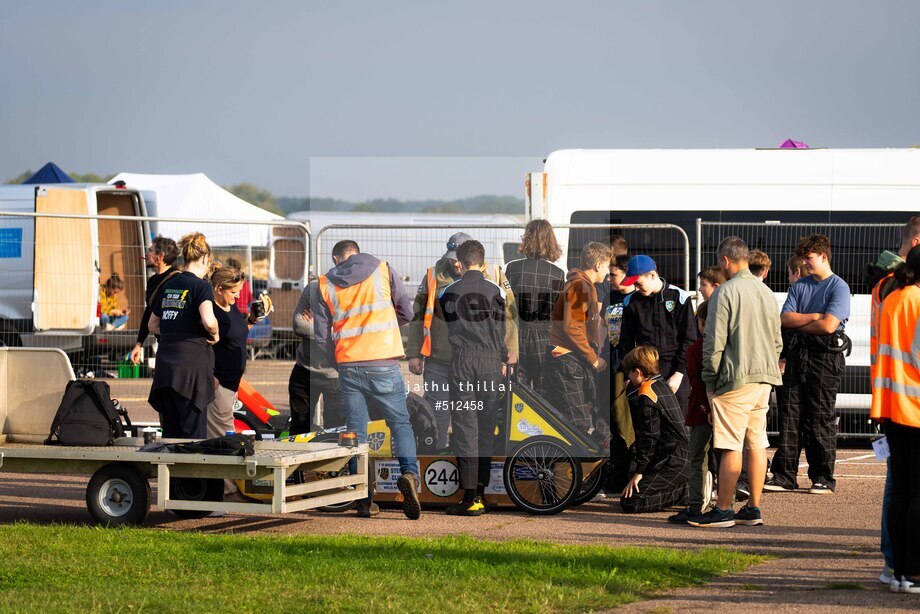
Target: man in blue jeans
(357,325)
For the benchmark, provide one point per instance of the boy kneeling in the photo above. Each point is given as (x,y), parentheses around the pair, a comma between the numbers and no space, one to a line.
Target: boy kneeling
(660,466)
(474,309)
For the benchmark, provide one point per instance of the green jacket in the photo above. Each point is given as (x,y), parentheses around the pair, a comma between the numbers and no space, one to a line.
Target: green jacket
(743,341)
(440,346)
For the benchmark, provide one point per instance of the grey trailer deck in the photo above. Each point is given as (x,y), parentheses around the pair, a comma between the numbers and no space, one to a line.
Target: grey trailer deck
(270,466)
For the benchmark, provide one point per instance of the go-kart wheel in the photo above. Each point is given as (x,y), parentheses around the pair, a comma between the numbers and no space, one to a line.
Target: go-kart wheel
(195,489)
(118,495)
(592,483)
(541,476)
(301,477)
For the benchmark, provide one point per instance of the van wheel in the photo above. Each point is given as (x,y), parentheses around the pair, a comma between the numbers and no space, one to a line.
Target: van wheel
(118,495)
(9,336)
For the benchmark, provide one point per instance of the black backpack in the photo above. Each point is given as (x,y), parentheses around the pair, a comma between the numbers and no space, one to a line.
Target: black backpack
(87,416)
(228,445)
(424,424)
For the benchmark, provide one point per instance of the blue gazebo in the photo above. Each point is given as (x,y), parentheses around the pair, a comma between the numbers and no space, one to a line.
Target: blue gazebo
(49,173)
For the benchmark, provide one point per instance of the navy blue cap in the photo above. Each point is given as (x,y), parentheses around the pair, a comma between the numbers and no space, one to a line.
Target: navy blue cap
(638,265)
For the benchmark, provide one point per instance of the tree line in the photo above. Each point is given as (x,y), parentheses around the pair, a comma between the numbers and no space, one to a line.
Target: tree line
(282,205)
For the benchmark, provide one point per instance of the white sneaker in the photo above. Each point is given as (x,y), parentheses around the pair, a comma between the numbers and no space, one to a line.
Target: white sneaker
(887,575)
(895,586)
(909,587)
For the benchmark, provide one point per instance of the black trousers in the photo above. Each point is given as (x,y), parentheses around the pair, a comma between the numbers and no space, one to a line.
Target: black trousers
(532,342)
(904,505)
(807,418)
(304,392)
(179,418)
(572,389)
(475,377)
(660,490)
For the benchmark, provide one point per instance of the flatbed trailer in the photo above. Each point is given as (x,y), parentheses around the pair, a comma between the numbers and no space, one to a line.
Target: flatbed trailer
(32,382)
(119,489)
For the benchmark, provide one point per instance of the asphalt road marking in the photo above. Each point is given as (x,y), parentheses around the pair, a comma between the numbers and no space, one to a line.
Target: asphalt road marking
(858,458)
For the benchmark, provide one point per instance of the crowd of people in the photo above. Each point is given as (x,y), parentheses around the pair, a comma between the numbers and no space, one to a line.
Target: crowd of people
(678,394)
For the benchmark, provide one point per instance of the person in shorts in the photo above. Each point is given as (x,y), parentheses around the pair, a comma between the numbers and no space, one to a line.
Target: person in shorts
(741,350)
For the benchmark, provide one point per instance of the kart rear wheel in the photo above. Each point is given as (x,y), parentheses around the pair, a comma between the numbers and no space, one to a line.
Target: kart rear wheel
(300,477)
(541,476)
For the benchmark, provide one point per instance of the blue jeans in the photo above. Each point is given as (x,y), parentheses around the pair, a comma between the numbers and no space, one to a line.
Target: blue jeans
(386,386)
(115,321)
(886,537)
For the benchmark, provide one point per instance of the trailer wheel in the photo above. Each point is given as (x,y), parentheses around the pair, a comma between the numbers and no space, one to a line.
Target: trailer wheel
(541,476)
(118,495)
(592,484)
(195,489)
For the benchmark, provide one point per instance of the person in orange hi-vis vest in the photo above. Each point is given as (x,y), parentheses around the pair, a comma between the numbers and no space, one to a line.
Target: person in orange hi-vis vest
(896,402)
(357,324)
(883,283)
(428,349)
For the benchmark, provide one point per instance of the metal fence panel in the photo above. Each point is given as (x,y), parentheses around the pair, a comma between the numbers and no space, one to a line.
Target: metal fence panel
(852,247)
(52,265)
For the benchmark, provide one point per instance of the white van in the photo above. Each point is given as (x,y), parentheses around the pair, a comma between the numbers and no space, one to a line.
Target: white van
(783,191)
(51,268)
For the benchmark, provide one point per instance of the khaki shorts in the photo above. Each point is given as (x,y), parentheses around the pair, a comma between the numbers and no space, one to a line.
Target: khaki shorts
(739,418)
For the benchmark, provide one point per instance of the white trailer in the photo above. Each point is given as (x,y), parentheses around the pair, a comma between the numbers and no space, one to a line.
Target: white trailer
(32,382)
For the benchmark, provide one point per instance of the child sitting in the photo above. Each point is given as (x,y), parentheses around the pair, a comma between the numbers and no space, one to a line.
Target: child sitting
(660,465)
(111,317)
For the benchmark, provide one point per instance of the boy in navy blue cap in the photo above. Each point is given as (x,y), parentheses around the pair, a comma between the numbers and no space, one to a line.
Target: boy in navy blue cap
(660,315)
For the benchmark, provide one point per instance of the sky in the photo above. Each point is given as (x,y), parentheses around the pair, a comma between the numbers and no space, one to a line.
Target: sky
(419,99)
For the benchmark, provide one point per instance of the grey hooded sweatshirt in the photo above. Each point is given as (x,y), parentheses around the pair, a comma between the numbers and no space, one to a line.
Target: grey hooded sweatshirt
(352,272)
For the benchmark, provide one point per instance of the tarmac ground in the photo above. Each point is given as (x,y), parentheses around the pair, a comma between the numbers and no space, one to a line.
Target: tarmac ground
(825,547)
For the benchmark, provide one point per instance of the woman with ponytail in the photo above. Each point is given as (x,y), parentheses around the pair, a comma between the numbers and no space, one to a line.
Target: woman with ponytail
(896,402)
(183,382)
(230,351)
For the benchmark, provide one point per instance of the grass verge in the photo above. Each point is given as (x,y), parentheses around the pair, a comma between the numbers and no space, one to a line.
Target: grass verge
(67,568)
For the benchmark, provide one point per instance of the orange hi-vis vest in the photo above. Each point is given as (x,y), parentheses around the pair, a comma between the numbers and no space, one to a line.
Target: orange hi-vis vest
(896,370)
(875,310)
(364,324)
(431,281)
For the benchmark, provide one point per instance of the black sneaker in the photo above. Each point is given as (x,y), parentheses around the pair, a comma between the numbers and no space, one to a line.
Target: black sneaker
(772,485)
(820,488)
(742,493)
(721,519)
(683,516)
(367,509)
(749,516)
(467,508)
(408,485)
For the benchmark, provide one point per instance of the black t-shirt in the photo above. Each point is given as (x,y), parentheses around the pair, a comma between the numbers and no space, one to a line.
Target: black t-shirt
(178,305)
(230,351)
